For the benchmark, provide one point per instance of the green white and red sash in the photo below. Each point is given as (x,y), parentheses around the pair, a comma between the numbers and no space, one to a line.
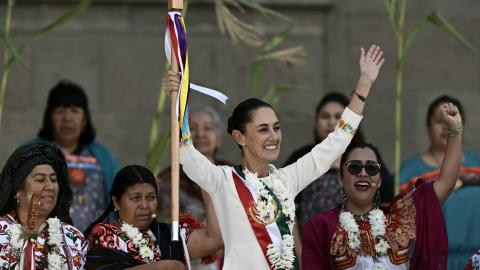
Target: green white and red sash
(266,234)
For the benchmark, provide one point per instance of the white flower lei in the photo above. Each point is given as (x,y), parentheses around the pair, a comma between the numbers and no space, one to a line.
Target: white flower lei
(141,243)
(377,220)
(265,204)
(55,238)
(267,212)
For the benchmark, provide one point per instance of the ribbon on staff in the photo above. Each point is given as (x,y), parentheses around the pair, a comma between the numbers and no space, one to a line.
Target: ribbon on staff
(176,40)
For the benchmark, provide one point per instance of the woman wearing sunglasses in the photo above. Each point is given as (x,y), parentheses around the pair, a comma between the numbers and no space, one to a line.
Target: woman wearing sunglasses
(408,234)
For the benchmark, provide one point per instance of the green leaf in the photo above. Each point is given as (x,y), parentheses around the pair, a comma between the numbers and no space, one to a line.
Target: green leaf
(437,20)
(413,34)
(277,40)
(157,153)
(69,15)
(273,94)
(392,11)
(256,5)
(10,47)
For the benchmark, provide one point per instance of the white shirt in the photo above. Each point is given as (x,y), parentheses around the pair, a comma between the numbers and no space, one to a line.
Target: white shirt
(242,250)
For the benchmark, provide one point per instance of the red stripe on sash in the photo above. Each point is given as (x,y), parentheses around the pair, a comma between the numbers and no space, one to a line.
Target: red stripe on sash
(261,233)
(29,257)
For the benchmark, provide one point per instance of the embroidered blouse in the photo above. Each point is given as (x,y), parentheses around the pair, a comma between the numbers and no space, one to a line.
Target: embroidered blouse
(415,231)
(73,250)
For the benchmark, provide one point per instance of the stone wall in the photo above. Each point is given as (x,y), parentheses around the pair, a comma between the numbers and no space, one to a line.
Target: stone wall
(115,50)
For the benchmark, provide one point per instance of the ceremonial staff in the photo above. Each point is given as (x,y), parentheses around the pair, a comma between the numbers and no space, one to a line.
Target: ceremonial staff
(176,52)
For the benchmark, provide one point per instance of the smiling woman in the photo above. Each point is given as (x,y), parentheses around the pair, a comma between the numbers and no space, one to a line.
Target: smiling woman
(254,201)
(34,201)
(409,233)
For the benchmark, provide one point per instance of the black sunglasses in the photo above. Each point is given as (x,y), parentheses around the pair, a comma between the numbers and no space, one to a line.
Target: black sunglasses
(354,167)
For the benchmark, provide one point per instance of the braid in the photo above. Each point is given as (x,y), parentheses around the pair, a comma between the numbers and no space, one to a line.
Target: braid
(105,214)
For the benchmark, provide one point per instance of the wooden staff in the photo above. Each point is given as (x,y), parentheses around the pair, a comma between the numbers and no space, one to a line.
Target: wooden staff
(175,5)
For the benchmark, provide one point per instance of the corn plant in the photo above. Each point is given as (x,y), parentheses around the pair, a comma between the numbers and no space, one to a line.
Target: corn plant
(12,54)
(396,15)
(239,32)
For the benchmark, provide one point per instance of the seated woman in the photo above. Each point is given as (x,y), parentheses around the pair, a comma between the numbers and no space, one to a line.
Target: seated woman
(409,234)
(135,240)
(34,200)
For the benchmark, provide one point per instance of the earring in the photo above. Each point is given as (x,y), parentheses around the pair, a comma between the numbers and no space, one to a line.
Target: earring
(344,195)
(243,144)
(18,200)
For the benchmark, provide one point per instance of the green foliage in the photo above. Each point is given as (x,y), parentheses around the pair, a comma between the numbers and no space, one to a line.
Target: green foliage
(12,55)
(291,56)
(238,31)
(396,15)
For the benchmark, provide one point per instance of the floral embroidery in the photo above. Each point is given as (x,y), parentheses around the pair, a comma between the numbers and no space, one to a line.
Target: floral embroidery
(53,248)
(346,127)
(474,262)
(110,236)
(400,229)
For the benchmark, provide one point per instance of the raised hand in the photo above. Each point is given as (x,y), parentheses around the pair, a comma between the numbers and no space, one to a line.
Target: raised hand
(450,116)
(371,63)
(171,82)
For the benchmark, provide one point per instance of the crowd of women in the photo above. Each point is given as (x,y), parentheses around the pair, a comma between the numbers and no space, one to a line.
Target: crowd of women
(66,204)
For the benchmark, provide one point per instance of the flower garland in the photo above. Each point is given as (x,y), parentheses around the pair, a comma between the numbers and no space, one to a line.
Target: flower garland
(140,243)
(265,205)
(377,220)
(55,259)
(267,212)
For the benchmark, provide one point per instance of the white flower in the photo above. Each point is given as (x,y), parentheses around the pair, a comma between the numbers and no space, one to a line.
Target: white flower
(380,266)
(16,236)
(283,259)
(377,220)
(147,253)
(139,241)
(55,233)
(347,222)
(55,261)
(381,247)
(353,242)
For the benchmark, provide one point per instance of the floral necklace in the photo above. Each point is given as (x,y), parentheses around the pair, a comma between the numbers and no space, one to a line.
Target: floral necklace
(267,212)
(377,221)
(55,239)
(141,244)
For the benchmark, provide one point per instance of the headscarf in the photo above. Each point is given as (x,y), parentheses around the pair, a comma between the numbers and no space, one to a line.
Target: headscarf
(21,163)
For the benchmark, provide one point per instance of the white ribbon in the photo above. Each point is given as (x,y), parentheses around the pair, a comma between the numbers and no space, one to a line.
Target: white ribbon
(168,53)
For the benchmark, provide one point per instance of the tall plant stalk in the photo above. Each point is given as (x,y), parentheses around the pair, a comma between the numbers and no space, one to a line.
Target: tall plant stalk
(6,56)
(399,88)
(396,10)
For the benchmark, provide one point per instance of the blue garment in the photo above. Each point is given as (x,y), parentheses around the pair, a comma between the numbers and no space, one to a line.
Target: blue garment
(461,211)
(87,184)
(107,161)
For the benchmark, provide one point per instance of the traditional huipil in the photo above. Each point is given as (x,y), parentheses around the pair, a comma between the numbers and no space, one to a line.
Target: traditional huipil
(414,231)
(41,252)
(119,245)
(256,214)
